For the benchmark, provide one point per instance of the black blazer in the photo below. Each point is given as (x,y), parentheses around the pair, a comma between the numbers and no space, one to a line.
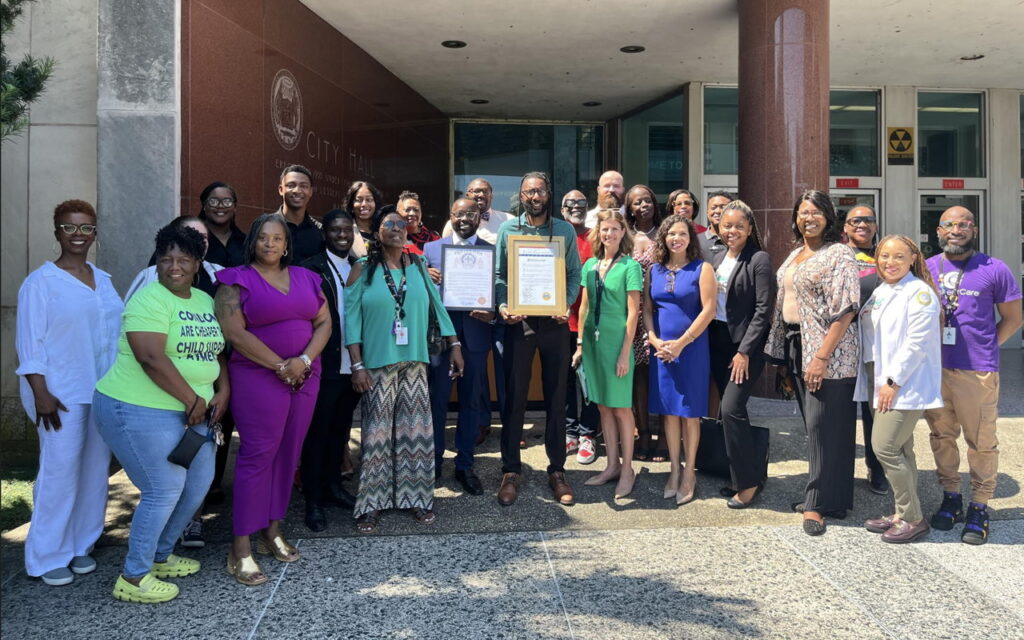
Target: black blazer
(330,358)
(750,299)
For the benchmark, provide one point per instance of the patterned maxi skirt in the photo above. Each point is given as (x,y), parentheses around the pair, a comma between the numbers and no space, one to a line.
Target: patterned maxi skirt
(397,441)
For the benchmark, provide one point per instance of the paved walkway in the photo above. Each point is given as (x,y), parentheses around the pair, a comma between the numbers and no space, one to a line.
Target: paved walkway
(633,568)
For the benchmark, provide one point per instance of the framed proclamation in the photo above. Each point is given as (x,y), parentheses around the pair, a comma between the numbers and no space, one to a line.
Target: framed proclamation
(536,276)
(467,277)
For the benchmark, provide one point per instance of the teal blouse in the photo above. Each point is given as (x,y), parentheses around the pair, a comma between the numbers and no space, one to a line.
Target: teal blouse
(370,316)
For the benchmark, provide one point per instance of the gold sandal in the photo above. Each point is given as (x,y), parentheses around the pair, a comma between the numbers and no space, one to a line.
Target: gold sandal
(278,547)
(245,570)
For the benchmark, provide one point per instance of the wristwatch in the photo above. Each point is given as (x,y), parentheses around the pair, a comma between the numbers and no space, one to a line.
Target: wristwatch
(892,383)
(306,360)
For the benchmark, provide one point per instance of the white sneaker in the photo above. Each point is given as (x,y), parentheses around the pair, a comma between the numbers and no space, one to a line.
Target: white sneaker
(572,445)
(588,450)
(192,536)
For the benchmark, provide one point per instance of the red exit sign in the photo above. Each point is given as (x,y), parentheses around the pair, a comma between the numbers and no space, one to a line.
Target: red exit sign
(952,184)
(847,183)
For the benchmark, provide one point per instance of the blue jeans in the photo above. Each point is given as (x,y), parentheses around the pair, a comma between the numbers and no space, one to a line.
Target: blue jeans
(141,438)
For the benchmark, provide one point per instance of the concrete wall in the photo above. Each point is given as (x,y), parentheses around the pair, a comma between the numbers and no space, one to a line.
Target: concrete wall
(54,160)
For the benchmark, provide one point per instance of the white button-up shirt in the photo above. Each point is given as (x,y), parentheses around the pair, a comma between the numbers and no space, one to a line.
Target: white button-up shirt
(488,229)
(66,332)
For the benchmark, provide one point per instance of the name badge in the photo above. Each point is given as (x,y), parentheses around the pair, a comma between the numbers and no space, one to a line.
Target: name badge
(401,334)
(949,335)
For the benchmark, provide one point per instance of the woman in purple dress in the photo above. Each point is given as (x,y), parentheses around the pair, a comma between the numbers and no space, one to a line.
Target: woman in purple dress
(679,304)
(277,321)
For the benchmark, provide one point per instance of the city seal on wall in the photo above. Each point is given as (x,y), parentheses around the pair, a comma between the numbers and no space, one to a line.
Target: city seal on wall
(286,109)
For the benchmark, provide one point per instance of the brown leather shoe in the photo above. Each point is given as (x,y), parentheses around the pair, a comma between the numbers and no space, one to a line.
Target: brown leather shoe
(561,489)
(880,525)
(509,489)
(904,531)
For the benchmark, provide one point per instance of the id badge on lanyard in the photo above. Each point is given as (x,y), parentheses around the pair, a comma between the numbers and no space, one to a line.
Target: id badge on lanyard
(949,336)
(401,334)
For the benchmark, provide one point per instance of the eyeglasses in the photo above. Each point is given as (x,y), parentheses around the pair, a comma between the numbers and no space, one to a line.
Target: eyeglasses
(70,229)
(949,225)
(686,203)
(465,215)
(810,213)
(534,192)
(570,203)
(363,200)
(391,225)
(853,222)
(220,202)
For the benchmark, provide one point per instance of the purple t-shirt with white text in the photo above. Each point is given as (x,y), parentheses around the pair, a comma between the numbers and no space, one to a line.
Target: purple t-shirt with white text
(986,282)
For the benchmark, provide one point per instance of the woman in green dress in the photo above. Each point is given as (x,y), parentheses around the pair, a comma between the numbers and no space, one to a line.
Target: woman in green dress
(609,308)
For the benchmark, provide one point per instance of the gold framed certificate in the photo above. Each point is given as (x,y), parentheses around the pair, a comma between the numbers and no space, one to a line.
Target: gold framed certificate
(536,276)
(467,277)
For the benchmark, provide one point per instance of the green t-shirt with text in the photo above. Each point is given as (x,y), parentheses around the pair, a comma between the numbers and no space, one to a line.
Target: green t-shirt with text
(194,340)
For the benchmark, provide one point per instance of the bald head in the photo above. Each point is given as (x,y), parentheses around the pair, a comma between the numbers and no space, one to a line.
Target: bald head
(610,190)
(957,213)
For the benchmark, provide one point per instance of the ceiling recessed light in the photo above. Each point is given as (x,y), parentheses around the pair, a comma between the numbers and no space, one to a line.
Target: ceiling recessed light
(479,101)
(592,103)
(453,44)
(633,48)
(973,56)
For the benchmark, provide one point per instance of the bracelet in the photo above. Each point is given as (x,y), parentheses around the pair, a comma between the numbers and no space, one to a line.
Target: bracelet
(357,366)
(194,403)
(306,361)
(579,341)
(452,345)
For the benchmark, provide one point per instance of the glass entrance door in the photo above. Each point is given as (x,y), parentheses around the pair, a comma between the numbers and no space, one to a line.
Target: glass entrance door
(932,206)
(849,198)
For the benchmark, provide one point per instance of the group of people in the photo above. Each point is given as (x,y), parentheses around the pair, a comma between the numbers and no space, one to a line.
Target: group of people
(281,332)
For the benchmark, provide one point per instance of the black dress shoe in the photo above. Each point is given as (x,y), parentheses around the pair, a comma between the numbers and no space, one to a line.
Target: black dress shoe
(838,515)
(470,483)
(340,496)
(733,503)
(727,492)
(316,519)
(878,483)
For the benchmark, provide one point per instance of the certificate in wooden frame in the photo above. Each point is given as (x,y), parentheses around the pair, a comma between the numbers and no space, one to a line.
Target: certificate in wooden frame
(544,293)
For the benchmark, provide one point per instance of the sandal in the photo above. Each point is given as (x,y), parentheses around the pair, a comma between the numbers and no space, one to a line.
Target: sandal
(424,516)
(245,570)
(278,547)
(641,455)
(659,455)
(367,523)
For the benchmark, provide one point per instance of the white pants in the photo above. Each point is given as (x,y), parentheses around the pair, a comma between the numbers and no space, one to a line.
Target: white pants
(70,493)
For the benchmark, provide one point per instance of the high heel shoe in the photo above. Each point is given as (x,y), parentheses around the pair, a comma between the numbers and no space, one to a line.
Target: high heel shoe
(622,492)
(278,547)
(685,498)
(736,503)
(671,489)
(245,570)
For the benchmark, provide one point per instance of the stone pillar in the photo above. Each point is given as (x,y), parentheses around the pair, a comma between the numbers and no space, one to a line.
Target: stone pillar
(138,147)
(783,110)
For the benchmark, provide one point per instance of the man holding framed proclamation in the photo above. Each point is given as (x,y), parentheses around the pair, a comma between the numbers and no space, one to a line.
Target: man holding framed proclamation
(538,271)
(463,265)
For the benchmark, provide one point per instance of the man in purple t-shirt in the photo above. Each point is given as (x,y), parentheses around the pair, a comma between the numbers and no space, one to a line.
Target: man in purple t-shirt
(972,287)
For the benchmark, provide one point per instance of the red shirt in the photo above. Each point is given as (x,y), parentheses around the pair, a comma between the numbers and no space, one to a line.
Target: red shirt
(586,252)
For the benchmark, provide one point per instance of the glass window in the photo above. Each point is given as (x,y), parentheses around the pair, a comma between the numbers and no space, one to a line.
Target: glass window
(654,147)
(949,135)
(572,155)
(853,133)
(721,130)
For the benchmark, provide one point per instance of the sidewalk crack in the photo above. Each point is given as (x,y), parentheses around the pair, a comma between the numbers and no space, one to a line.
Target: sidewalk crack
(558,589)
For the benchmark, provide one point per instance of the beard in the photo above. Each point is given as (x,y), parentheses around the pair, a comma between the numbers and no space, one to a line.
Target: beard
(608,201)
(955,249)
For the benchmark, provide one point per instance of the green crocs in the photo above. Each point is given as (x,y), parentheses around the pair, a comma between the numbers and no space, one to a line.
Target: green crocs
(174,567)
(149,591)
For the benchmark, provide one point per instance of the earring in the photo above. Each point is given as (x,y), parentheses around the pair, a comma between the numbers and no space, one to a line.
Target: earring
(285,252)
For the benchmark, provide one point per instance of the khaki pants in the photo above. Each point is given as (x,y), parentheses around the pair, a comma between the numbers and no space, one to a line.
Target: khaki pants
(970,400)
(892,438)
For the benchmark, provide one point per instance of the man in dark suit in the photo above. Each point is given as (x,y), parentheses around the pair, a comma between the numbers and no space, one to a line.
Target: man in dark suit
(326,444)
(473,329)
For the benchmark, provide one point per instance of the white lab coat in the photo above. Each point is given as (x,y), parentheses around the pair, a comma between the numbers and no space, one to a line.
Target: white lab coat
(900,333)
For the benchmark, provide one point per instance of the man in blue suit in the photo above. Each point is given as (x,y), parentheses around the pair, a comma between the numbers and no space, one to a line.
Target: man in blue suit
(473,329)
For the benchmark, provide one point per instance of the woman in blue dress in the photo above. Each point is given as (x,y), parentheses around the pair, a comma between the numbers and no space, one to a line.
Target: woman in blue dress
(679,303)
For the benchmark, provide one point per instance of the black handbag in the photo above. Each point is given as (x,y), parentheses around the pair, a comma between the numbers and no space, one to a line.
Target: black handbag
(711,454)
(188,447)
(435,342)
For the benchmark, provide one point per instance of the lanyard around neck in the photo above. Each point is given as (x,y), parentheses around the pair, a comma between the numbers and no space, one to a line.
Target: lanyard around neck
(398,293)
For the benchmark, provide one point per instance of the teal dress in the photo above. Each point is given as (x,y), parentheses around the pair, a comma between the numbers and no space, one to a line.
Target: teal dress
(601,351)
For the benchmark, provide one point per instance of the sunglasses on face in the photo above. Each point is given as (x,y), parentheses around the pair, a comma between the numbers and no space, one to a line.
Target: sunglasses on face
(391,225)
(570,203)
(70,229)
(220,202)
(853,222)
(949,225)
